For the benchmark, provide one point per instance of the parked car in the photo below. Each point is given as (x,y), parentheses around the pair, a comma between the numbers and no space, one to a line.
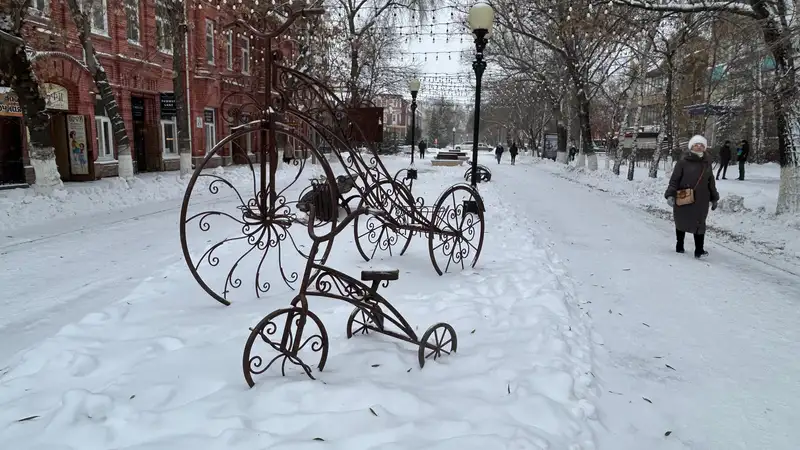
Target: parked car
(467,147)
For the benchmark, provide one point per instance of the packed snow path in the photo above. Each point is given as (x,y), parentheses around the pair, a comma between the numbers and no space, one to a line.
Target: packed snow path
(695,354)
(108,254)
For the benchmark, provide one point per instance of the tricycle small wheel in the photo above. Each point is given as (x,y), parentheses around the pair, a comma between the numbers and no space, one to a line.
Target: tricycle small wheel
(444,342)
(361,321)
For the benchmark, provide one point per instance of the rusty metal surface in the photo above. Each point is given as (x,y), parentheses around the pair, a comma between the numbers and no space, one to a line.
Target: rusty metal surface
(265,225)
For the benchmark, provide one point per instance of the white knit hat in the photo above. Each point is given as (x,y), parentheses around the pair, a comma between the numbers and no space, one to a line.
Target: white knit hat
(697,139)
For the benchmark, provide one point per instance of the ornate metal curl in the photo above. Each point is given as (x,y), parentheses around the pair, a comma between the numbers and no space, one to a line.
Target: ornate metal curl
(287,344)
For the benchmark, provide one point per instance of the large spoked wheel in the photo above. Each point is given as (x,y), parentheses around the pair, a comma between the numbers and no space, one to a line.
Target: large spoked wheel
(240,236)
(439,340)
(289,333)
(457,228)
(376,235)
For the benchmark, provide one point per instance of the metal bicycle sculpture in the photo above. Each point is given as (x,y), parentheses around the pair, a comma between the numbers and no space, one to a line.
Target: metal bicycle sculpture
(266,251)
(297,335)
(265,219)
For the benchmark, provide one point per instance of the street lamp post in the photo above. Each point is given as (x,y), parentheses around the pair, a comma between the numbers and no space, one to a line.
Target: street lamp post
(454,138)
(481,18)
(413,86)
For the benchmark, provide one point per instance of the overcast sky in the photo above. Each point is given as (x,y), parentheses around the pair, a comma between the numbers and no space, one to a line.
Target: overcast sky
(443,69)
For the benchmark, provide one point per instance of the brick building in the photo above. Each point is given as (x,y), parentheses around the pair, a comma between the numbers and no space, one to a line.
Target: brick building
(396,116)
(129,38)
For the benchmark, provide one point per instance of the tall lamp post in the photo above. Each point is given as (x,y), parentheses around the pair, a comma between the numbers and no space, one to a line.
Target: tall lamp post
(454,138)
(413,86)
(481,19)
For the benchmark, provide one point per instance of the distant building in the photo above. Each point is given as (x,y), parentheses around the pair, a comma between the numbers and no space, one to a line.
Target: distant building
(396,116)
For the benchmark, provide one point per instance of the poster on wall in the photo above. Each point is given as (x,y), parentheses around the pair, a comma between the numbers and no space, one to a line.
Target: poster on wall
(78,149)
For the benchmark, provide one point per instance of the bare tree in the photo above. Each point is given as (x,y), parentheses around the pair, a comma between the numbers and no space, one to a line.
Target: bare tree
(359,18)
(580,38)
(16,70)
(80,16)
(775,19)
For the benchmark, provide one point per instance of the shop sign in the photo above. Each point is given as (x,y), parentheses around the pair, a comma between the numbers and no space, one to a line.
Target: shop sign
(55,97)
(137,108)
(167,101)
(9,105)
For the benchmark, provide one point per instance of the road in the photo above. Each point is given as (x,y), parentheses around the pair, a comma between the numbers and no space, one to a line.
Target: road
(54,274)
(690,354)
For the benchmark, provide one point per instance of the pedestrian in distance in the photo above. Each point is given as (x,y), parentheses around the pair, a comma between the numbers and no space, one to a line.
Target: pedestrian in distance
(498,152)
(422,147)
(724,159)
(513,150)
(690,192)
(741,155)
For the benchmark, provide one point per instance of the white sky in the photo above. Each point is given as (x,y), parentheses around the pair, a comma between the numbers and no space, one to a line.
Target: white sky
(442,69)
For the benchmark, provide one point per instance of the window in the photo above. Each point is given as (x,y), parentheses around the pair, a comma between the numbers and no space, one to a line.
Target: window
(229,49)
(132,20)
(38,8)
(210,128)
(100,17)
(169,138)
(245,54)
(209,42)
(163,28)
(105,138)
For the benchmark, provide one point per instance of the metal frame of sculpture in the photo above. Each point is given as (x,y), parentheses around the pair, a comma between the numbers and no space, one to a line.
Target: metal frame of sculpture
(387,211)
(483,172)
(284,330)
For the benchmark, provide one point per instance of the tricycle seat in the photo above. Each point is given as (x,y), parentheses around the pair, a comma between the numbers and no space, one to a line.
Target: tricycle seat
(380,275)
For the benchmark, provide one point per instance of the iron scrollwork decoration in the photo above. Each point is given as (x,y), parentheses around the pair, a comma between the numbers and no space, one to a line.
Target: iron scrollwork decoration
(258,236)
(296,335)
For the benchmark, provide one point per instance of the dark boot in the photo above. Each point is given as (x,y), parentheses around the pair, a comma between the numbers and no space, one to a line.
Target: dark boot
(679,238)
(699,242)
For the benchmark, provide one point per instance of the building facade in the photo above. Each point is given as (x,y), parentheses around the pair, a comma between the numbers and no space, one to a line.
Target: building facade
(396,116)
(132,41)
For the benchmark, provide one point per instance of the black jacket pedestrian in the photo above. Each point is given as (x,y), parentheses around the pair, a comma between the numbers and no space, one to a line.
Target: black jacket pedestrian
(513,150)
(744,151)
(725,153)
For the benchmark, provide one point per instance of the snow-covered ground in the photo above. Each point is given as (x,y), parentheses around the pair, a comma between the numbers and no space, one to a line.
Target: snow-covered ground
(158,365)
(756,227)
(690,354)
(580,328)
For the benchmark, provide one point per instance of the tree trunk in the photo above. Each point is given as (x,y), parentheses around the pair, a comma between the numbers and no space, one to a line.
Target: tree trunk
(17,68)
(637,116)
(179,87)
(124,159)
(618,153)
(562,134)
(663,130)
(784,98)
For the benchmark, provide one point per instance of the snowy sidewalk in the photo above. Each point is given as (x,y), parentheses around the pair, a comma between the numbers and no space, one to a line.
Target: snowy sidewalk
(695,354)
(161,367)
(744,219)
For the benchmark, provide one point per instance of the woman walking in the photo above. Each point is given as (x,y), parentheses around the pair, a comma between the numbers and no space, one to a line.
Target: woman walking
(691,189)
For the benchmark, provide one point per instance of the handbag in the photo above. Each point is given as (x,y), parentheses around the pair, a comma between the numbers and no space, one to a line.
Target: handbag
(686,196)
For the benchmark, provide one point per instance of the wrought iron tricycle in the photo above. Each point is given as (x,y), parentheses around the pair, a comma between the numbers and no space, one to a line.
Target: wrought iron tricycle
(298,335)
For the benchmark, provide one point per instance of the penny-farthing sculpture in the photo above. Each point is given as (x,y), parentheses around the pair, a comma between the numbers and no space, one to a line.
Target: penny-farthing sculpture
(236,226)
